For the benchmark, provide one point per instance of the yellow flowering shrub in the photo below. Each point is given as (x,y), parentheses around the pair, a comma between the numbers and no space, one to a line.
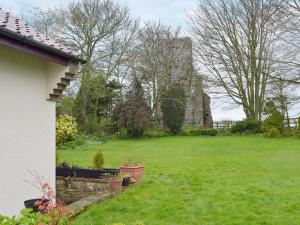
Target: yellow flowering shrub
(66,129)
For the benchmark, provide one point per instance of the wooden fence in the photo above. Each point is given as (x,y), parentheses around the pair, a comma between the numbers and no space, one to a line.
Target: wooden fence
(226,124)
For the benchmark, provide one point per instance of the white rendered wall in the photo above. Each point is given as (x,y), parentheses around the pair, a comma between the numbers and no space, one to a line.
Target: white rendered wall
(27,126)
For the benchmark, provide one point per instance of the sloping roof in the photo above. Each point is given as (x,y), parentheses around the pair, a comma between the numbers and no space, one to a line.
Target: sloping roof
(13,27)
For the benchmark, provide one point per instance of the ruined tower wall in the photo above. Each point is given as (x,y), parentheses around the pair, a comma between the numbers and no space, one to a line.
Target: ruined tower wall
(181,70)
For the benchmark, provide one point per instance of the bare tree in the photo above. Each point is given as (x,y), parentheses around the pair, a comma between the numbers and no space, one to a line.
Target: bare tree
(287,43)
(154,60)
(234,43)
(103,32)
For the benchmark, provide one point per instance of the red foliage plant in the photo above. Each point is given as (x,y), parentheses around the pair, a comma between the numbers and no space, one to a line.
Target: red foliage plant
(51,207)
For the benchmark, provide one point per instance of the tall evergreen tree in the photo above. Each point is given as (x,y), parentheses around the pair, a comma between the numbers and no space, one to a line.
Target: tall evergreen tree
(173,105)
(134,113)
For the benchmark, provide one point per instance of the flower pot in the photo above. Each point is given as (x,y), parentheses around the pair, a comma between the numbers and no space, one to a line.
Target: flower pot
(116,183)
(126,181)
(134,172)
(31,204)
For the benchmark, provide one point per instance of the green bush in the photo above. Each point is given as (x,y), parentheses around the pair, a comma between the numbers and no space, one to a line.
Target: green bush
(27,217)
(83,141)
(247,126)
(203,131)
(155,133)
(66,129)
(121,134)
(173,105)
(273,133)
(98,160)
(194,132)
(79,141)
(209,132)
(224,131)
(93,127)
(185,132)
(69,145)
(275,120)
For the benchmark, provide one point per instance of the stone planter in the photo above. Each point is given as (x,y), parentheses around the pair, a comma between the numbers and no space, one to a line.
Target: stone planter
(134,172)
(116,183)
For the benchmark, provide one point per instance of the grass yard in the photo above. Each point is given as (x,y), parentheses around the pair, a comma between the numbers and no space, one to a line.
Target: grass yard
(201,180)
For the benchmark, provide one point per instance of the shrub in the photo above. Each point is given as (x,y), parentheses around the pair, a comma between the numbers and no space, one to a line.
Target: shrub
(203,131)
(275,120)
(26,217)
(98,160)
(224,131)
(247,126)
(66,129)
(109,126)
(194,132)
(54,213)
(185,132)
(80,141)
(92,127)
(273,133)
(209,132)
(121,134)
(69,145)
(173,105)
(155,133)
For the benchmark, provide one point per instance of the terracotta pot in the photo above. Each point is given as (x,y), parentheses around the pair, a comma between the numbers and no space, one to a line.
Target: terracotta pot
(134,172)
(116,183)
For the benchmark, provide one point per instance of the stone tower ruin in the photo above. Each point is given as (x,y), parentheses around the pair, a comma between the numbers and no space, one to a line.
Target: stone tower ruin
(198,112)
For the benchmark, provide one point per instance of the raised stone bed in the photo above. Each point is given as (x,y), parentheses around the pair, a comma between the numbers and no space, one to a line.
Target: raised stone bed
(75,188)
(80,187)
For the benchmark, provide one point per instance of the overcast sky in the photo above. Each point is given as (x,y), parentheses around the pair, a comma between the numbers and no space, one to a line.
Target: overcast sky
(170,12)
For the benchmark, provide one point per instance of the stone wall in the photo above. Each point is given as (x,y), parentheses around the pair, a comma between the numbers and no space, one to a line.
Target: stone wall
(79,188)
(194,110)
(207,117)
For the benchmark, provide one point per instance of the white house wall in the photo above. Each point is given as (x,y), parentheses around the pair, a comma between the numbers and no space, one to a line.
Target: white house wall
(27,126)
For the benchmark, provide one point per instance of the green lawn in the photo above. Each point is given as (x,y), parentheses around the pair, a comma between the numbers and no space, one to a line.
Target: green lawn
(202,180)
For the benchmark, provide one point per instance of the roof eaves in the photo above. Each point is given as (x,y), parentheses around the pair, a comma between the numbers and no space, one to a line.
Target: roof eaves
(42,46)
